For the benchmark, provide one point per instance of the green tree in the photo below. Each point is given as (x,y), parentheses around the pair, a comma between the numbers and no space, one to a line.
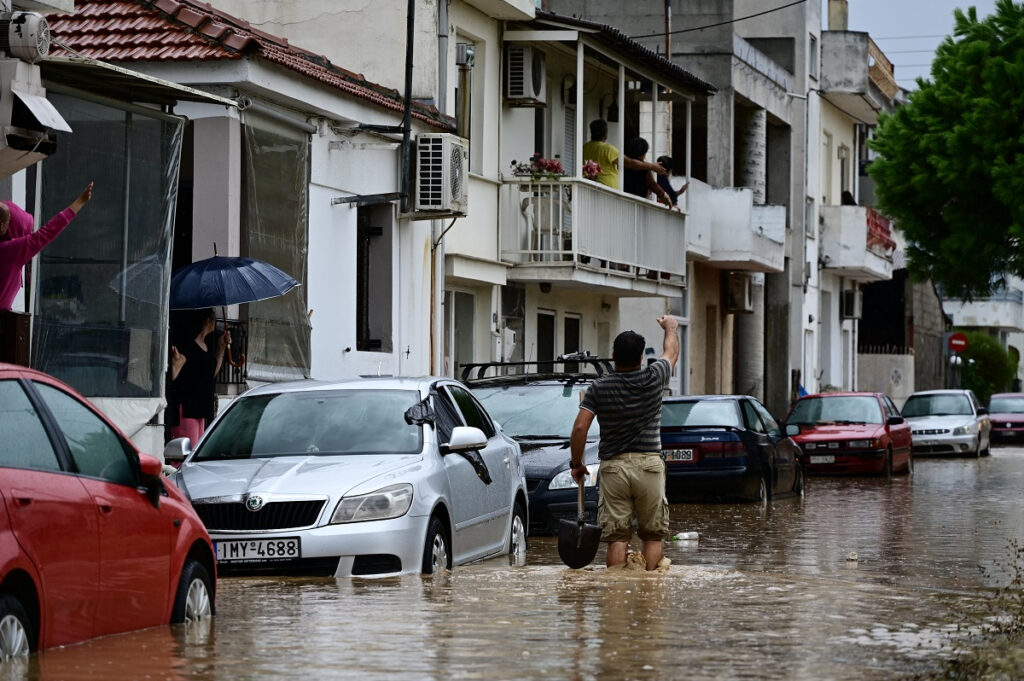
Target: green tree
(951,171)
(987,368)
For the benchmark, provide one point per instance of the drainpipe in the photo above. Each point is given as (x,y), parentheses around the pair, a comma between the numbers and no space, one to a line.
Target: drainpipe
(436,226)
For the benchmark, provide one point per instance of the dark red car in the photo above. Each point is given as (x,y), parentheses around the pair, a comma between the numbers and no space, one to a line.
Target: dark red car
(855,433)
(93,540)
(1006,413)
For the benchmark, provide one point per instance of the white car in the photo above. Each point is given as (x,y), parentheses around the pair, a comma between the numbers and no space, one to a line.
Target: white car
(365,477)
(947,422)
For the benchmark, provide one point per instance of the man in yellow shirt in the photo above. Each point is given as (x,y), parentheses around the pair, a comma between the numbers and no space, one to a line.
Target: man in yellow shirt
(607,156)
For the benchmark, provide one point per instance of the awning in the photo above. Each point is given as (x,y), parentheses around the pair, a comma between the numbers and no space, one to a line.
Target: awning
(41,109)
(117,82)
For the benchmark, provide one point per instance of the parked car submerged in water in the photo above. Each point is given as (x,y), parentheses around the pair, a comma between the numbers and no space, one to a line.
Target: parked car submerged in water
(1006,413)
(948,422)
(538,410)
(364,477)
(726,447)
(93,541)
(852,433)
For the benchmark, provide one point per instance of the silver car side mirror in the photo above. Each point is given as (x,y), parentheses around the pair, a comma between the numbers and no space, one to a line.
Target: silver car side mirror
(465,438)
(177,449)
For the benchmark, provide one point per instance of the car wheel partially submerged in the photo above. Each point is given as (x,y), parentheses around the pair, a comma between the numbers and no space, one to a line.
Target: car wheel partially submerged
(193,602)
(15,628)
(517,539)
(435,552)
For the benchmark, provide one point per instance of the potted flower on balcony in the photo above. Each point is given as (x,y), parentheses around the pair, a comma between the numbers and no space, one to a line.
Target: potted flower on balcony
(591,169)
(539,168)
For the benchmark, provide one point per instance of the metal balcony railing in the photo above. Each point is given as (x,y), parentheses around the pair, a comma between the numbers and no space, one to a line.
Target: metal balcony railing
(230,374)
(583,224)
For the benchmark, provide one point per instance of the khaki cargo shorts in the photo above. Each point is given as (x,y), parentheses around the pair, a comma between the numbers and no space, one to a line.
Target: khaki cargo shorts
(632,483)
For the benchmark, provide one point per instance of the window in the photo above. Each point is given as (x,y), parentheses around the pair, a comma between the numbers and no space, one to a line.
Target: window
(843,154)
(373,279)
(20,423)
(769,422)
(750,417)
(275,188)
(98,451)
(826,169)
(99,306)
(473,414)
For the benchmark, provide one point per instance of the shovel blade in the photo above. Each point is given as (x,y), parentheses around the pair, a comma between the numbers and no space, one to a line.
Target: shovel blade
(577,542)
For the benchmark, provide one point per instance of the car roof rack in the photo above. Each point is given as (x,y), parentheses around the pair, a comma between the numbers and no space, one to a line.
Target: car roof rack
(601,365)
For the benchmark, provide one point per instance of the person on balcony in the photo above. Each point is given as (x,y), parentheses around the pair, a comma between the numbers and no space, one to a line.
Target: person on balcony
(641,182)
(606,156)
(665,183)
(19,244)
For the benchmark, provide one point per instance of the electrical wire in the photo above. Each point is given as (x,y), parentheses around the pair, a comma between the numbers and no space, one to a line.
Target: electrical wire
(720,23)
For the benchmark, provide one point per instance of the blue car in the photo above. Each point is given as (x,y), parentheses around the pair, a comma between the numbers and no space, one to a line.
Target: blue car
(726,447)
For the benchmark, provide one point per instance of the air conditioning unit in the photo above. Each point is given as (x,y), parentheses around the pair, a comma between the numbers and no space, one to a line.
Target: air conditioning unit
(850,304)
(27,118)
(24,35)
(525,76)
(738,292)
(442,167)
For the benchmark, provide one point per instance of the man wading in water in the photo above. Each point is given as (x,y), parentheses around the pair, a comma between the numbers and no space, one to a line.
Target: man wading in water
(627,404)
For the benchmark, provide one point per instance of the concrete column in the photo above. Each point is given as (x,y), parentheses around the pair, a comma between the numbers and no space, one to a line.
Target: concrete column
(721,112)
(217,187)
(754,173)
(748,345)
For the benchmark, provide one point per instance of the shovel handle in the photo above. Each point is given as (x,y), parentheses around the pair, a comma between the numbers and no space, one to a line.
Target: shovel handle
(580,513)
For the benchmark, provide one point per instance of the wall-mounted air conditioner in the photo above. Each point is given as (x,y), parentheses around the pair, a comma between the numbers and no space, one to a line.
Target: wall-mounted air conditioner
(738,292)
(850,304)
(27,118)
(525,76)
(442,167)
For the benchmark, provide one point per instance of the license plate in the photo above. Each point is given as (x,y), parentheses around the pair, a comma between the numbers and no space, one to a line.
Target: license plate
(823,459)
(679,455)
(258,550)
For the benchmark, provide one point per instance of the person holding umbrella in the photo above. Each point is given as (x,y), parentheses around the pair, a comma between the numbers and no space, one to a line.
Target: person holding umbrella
(627,404)
(192,388)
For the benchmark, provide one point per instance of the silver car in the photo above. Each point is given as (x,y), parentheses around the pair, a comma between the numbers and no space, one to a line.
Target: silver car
(947,422)
(366,477)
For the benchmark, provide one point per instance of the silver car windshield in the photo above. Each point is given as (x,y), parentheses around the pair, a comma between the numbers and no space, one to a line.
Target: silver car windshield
(536,410)
(840,409)
(315,422)
(937,405)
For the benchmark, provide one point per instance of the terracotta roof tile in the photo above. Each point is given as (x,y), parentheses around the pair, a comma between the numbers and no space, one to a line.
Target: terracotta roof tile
(192,31)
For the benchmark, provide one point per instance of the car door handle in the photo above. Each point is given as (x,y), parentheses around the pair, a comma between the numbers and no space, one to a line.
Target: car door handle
(21,498)
(104,505)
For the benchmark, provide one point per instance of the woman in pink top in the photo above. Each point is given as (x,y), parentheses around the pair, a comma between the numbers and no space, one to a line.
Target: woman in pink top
(19,244)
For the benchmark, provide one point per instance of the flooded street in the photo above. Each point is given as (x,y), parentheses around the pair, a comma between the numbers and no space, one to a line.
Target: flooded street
(862,579)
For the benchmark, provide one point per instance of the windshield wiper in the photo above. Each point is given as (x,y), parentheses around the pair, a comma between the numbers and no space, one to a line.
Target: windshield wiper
(542,437)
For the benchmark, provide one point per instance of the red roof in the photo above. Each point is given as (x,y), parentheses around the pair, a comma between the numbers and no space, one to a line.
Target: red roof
(188,31)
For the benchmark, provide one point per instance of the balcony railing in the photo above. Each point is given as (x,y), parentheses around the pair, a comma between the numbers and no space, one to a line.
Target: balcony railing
(580,224)
(230,374)
(857,242)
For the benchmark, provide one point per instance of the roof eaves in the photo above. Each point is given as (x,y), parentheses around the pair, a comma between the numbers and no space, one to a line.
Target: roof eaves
(622,42)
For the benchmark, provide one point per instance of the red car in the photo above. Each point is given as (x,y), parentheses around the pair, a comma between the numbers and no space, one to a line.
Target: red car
(856,433)
(1006,413)
(93,540)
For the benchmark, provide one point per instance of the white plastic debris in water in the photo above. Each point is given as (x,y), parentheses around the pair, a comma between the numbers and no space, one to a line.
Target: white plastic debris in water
(852,556)
(685,536)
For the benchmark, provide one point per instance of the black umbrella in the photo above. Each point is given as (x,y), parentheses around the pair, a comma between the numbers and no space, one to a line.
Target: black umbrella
(222,280)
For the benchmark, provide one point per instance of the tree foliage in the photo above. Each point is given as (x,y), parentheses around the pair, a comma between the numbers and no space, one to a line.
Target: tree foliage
(987,367)
(951,171)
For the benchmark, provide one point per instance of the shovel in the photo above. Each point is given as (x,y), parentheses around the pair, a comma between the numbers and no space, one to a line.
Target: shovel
(578,539)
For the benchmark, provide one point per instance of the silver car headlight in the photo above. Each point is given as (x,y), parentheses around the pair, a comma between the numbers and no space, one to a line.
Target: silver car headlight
(964,430)
(390,502)
(564,479)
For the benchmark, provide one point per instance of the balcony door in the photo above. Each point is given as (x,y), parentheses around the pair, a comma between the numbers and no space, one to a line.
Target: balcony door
(545,340)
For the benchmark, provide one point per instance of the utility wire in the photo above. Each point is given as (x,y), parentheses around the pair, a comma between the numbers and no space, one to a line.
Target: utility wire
(720,23)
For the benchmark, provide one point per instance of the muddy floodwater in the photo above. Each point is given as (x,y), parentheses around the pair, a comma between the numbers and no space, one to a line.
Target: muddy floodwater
(861,579)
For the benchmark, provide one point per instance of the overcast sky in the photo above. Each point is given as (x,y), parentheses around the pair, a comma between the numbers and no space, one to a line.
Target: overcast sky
(908,31)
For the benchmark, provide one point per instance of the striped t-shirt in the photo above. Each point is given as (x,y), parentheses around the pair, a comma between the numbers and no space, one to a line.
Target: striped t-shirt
(628,409)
